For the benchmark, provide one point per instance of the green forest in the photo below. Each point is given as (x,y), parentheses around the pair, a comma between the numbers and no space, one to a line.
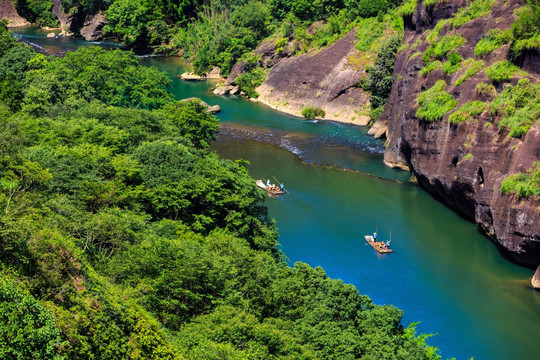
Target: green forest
(123,236)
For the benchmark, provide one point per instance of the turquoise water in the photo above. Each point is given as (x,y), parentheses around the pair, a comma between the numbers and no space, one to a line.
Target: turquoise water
(443,272)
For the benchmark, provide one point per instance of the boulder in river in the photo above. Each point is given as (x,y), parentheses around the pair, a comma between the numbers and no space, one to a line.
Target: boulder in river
(51,35)
(223,89)
(191,76)
(536,279)
(209,109)
(213,109)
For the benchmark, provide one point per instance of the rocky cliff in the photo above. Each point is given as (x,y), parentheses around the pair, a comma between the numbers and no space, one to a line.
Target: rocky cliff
(464,164)
(323,79)
(8,11)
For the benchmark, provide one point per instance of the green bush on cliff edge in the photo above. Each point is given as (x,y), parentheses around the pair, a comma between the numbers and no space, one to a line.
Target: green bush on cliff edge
(524,185)
(435,102)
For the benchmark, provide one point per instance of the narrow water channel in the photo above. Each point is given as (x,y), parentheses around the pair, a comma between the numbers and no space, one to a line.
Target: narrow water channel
(443,272)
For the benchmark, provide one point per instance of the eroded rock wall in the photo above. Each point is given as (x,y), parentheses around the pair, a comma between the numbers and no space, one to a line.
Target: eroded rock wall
(324,79)
(8,11)
(464,164)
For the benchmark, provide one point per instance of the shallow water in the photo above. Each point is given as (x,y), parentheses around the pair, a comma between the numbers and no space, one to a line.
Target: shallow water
(443,272)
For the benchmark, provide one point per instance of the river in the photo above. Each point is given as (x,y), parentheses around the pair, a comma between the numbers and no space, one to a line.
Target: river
(443,273)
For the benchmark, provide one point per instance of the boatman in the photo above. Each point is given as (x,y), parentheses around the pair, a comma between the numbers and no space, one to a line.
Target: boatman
(281,186)
(268,182)
(388,244)
(375,237)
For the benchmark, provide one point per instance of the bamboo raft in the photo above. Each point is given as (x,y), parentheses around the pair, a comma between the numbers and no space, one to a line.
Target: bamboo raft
(380,246)
(269,189)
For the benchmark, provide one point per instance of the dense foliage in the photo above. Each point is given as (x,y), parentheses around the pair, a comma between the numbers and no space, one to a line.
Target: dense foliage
(37,11)
(123,237)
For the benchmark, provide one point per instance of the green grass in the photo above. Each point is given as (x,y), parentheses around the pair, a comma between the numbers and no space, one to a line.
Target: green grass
(434,34)
(519,107)
(476,9)
(430,67)
(518,46)
(493,41)
(485,89)
(408,8)
(525,29)
(453,64)
(471,68)
(524,185)
(429,3)
(503,71)
(467,112)
(418,53)
(435,103)
(441,48)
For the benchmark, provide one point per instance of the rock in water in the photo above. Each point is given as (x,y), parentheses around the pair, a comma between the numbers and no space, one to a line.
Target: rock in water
(51,35)
(536,279)
(223,90)
(213,109)
(191,77)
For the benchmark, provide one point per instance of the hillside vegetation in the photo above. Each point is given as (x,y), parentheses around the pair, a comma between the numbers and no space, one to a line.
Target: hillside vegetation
(123,237)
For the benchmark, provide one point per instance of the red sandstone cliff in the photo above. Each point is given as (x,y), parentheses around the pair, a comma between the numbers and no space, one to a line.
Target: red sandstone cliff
(8,11)
(465,164)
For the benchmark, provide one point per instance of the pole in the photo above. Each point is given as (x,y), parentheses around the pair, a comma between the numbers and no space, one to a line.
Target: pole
(279,182)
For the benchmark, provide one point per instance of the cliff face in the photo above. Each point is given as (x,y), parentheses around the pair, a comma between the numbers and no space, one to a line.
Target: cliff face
(324,79)
(8,11)
(464,164)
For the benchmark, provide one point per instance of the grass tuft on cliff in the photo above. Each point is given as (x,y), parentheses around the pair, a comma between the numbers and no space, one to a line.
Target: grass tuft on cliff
(519,107)
(439,49)
(503,71)
(471,68)
(435,103)
(524,185)
(432,66)
(467,112)
(476,9)
(493,41)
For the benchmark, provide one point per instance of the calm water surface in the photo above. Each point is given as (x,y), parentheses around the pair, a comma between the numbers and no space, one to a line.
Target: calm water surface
(443,272)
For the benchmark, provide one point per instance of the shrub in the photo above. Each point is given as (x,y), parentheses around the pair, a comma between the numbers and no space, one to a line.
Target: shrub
(472,68)
(453,64)
(407,9)
(485,89)
(250,80)
(501,71)
(435,103)
(379,81)
(494,40)
(526,30)
(524,185)
(445,44)
(467,112)
(313,112)
(429,68)
(519,107)
(476,9)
